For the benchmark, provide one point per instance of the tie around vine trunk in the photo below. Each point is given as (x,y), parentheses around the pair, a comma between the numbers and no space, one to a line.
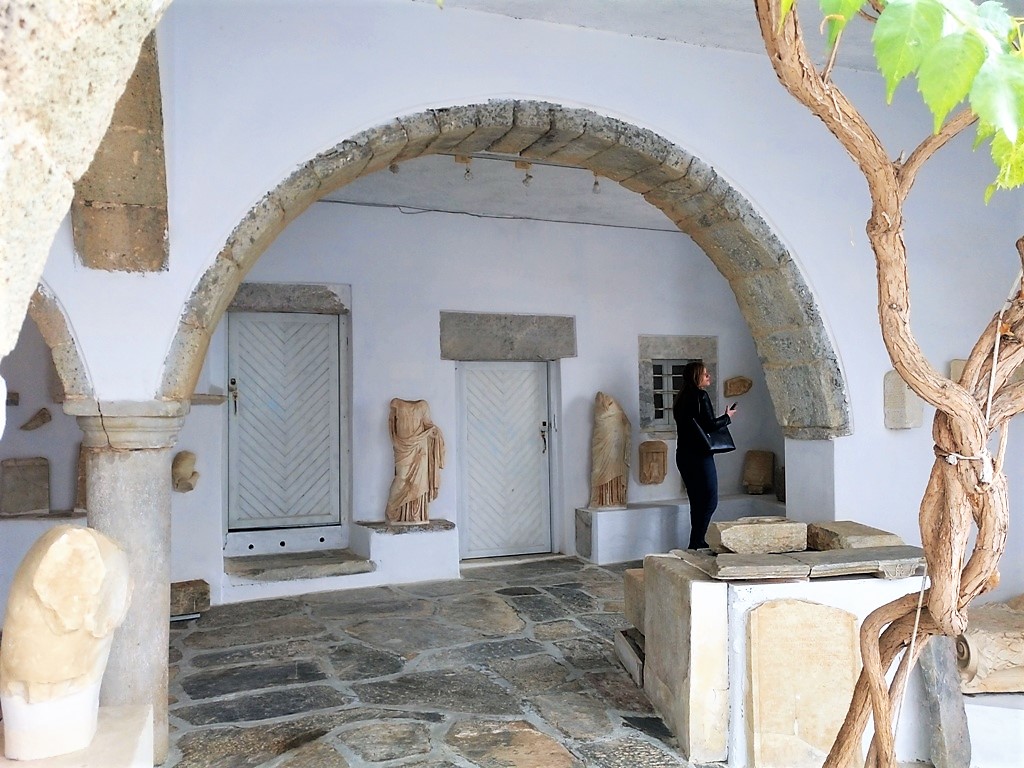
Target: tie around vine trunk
(967,484)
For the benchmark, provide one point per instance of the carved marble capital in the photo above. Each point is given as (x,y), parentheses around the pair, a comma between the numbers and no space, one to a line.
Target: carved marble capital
(123,425)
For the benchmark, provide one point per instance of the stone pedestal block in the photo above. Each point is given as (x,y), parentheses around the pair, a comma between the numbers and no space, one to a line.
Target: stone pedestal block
(124,739)
(686,667)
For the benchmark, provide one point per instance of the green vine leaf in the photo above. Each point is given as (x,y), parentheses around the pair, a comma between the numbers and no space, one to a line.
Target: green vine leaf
(784,8)
(838,13)
(1009,156)
(905,31)
(947,72)
(997,96)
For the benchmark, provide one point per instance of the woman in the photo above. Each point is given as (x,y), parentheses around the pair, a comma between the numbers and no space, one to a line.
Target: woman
(695,464)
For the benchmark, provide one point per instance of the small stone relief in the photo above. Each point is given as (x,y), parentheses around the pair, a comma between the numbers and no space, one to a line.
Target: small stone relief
(653,462)
(610,449)
(183,474)
(990,652)
(758,472)
(67,597)
(40,417)
(24,486)
(419,457)
(736,386)
(902,407)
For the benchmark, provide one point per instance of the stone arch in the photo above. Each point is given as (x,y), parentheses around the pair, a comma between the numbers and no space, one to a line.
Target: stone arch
(48,315)
(801,368)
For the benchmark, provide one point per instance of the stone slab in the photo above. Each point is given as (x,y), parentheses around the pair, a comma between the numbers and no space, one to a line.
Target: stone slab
(757,536)
(633,597)
(884,562)
(803,660)
(124,739)
(847,534)
(734,566)
(949,739)
(297,565)
(897,562)
(24,485)
(629,651)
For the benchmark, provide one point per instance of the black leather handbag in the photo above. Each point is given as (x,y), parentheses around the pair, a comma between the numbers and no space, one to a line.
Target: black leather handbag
(717,441)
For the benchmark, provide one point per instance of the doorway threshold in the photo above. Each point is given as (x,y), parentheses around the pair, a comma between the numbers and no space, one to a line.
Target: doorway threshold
(484,562)
(292,566)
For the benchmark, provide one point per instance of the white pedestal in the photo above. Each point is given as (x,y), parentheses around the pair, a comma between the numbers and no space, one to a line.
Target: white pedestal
(124,739)
(996,722)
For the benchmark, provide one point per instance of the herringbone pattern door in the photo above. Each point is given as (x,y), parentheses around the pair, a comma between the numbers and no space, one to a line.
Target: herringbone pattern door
(283,436)
(505,485)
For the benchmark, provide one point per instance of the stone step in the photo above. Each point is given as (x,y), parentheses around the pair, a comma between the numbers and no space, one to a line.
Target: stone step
(291,566)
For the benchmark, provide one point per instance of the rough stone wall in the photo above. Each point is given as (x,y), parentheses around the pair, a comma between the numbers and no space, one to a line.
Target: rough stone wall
(63,66)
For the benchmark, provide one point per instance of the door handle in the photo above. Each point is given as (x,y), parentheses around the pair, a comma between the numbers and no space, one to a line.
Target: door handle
(544,435)
(233,390)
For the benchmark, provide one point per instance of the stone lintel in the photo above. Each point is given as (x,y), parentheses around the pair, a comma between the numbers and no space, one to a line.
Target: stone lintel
(288,297)
(485,336)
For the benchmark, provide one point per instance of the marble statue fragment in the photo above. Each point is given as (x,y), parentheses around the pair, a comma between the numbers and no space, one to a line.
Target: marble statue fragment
(736,386)
(183,474)
(40,417)
(419,457)
(610,448)
(653,461)
(990,652)
(69,594)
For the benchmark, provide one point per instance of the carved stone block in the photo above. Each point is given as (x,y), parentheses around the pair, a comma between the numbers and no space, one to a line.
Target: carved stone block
(758,471)
(846,534)
(653,462)
(757,535)
(990,653)
(189,597)
(803,660)
(24,486)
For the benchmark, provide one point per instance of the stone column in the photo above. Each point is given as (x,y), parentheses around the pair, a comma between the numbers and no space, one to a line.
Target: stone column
(128,498)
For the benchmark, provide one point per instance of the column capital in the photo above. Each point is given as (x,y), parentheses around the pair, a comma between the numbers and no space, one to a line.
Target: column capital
(128,425)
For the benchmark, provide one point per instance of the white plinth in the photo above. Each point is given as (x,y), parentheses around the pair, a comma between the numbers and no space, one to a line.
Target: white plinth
(996,722)
(124,739)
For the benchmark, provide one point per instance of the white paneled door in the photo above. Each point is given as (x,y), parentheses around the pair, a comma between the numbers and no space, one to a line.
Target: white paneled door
(505,479)
(283,417)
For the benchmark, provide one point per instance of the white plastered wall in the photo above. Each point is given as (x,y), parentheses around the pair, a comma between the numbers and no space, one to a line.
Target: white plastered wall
(253,91)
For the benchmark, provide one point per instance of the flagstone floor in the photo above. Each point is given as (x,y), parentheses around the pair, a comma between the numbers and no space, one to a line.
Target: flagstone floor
(513,665)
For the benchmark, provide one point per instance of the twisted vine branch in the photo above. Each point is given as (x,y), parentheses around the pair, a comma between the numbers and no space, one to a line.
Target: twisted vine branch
(966,483)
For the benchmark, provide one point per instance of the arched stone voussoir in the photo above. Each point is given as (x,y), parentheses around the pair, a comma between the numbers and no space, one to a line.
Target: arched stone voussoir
(48,315)
(801,368)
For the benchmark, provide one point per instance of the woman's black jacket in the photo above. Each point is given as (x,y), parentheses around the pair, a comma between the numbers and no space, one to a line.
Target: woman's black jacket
(693,403)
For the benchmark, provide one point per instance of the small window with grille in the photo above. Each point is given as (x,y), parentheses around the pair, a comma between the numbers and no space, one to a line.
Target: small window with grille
(666,381)
(661,361)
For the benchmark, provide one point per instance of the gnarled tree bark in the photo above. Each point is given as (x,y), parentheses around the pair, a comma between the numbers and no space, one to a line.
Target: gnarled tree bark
(967,484)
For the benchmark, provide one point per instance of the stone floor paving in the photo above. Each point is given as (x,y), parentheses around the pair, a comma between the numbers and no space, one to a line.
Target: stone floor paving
(510,666)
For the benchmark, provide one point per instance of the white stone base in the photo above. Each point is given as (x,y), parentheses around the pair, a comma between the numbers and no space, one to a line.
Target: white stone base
(124,739)
(400,558)
(653,527)
(996,722)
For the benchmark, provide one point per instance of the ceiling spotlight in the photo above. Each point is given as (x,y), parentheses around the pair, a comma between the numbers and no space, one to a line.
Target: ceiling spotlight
(393,167)
(596,189)
(527,179)
(468,175)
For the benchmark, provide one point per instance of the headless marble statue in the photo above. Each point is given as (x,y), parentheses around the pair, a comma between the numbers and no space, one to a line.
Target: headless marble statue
(419,458)
(69,594)
(610,448)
